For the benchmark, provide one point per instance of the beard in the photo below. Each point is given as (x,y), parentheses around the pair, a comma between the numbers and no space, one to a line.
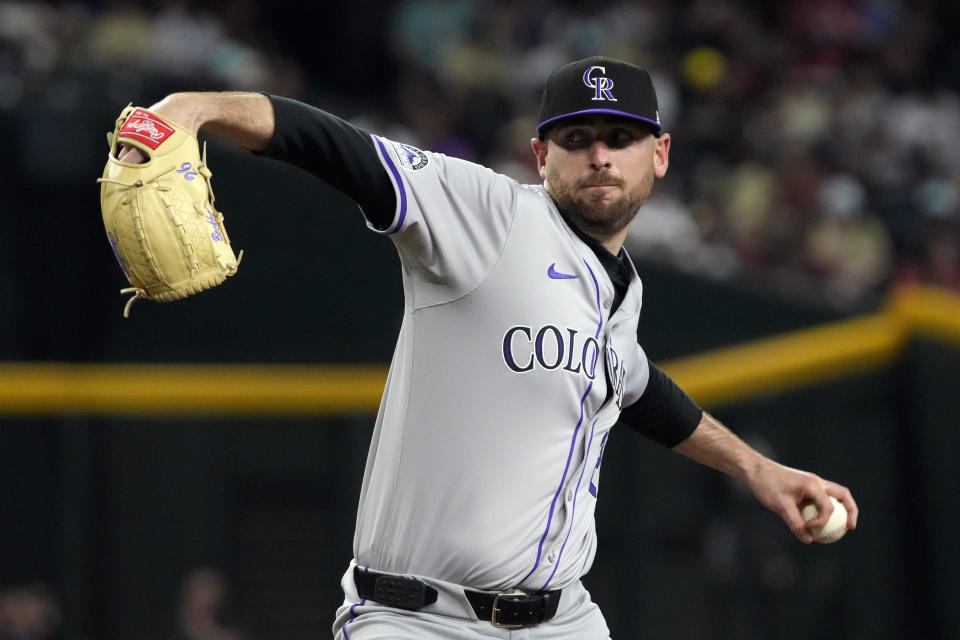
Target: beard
(596,214)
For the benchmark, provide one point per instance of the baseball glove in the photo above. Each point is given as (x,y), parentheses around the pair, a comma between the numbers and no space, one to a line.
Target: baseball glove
(159,216)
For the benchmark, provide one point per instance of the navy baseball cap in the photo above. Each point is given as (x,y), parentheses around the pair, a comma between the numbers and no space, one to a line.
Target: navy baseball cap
(599,85)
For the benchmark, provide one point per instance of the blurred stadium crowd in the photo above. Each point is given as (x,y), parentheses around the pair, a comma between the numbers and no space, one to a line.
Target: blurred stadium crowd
(816,142)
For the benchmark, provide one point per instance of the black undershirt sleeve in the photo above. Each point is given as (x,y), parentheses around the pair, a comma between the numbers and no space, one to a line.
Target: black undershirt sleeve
(664,413)
(341,154)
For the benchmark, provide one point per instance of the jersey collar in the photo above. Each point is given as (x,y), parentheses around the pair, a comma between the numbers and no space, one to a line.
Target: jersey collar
(619,268)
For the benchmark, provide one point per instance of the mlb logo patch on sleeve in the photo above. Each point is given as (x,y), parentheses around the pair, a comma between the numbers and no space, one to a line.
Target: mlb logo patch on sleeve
(410,157)
(146,128)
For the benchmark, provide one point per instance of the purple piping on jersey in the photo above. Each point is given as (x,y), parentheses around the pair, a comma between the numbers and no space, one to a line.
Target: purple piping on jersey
(399,182)
(353,616)
(573,441)
(563,479)
(603,446)
(353,612)
(573,508)
(596,287)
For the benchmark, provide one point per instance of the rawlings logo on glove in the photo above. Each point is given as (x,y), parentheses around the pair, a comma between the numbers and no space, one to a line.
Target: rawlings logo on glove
(147,128)
(162,225)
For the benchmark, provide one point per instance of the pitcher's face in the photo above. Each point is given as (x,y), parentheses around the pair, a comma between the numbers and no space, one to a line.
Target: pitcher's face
(600,169)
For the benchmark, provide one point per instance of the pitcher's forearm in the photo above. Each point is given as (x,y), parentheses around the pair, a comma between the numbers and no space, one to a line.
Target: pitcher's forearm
(246,118)
(714,445)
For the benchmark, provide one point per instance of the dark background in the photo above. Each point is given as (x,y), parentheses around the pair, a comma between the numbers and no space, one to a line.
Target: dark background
(112,513)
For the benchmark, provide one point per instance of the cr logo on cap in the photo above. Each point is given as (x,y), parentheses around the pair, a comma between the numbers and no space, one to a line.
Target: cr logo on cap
(601,85)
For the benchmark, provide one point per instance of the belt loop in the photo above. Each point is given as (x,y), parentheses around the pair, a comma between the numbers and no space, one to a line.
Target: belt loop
(394,591)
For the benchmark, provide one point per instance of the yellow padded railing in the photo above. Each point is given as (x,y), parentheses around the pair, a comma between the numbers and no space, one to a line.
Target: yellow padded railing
(787,361)
(819,354)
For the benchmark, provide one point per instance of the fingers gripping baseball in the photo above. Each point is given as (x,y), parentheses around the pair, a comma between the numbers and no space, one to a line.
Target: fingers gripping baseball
(843,494)
(786,491)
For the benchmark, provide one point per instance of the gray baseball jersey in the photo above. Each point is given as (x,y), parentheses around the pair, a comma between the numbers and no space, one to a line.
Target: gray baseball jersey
(508,375)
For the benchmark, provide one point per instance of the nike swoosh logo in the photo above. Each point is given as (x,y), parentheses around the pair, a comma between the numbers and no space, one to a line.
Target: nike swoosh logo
(557,275)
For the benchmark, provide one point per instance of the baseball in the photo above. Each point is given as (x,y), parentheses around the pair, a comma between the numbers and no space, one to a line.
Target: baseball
(836,526)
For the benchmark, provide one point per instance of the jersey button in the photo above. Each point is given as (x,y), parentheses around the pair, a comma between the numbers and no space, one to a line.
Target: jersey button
(569,495)
(606,303)
(552,557)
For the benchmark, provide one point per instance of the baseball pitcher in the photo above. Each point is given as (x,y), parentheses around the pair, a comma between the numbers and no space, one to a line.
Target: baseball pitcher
(516,357)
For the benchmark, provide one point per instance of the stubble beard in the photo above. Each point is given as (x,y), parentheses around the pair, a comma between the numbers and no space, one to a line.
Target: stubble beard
(594,214)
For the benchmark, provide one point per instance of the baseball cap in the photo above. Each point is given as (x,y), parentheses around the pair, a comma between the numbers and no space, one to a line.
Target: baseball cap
(599,85)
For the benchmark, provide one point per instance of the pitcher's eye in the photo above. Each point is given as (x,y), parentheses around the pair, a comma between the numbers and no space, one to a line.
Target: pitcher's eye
(575,139)
(619,138)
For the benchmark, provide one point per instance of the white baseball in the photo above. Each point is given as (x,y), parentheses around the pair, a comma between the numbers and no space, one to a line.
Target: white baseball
(836,526)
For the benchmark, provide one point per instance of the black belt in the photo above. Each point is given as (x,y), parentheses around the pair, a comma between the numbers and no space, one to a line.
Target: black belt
(509,609)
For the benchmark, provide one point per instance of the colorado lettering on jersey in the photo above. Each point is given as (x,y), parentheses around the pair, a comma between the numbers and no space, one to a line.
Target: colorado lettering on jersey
(549,348)
(616,373)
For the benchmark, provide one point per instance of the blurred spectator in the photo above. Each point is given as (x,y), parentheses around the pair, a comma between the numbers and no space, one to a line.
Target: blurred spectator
(28,612)
(936,259)
(847,247)
(667,230)
(203,599)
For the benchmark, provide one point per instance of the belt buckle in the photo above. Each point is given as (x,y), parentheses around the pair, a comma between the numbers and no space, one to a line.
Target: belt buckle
(494,609)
